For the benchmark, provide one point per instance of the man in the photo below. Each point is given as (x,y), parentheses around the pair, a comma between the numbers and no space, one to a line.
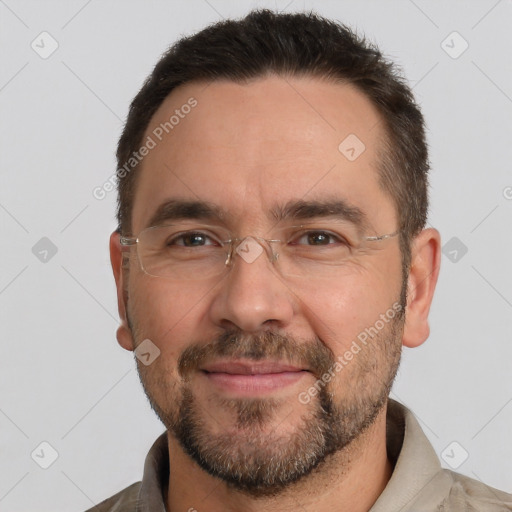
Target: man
(270,262)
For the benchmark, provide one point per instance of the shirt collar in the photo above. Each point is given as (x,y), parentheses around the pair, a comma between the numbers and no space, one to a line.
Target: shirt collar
(418,480)
(155,478)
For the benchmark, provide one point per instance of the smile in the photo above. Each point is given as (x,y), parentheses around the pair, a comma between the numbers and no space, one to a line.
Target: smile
(249,378)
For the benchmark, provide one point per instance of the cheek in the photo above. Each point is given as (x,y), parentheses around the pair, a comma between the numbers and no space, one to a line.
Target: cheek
(169,314)
(339,312)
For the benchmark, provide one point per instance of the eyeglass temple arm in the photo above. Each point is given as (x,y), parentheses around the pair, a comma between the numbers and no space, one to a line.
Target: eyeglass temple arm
(381,237)
(127,241)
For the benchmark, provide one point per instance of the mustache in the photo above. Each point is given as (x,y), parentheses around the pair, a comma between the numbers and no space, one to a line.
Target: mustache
(312,355)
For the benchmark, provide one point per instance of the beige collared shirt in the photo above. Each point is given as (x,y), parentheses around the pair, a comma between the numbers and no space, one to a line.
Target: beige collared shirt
(418,483)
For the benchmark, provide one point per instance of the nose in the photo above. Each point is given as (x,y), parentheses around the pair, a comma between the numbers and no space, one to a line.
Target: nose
(252,296)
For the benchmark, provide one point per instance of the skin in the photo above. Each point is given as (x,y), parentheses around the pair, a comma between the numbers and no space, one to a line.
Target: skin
(247,148)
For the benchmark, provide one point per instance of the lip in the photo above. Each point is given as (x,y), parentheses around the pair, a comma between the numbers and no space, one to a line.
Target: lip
(253,377)
(250,367)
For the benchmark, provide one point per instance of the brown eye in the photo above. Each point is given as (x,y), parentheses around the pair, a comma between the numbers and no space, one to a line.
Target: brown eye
(318,238)
(191,239)
(194,239)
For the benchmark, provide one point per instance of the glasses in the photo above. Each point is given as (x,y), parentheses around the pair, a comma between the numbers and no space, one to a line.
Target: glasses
(185,251)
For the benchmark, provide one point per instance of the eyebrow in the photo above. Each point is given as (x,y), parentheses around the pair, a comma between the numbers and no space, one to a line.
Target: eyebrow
(181,210)
(340,209)
(308,210)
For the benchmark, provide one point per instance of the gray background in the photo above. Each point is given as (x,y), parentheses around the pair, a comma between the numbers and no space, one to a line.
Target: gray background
(63,378)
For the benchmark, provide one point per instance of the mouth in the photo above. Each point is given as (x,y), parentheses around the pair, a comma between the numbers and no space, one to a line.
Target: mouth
(252,377)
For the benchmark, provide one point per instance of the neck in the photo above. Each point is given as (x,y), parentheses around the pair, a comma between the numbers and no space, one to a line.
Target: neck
(351,479)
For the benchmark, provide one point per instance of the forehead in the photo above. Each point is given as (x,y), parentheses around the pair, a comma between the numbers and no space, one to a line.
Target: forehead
(250,148)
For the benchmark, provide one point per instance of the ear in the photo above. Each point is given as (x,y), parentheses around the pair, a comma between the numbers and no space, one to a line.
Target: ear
(423,274)
(124,335)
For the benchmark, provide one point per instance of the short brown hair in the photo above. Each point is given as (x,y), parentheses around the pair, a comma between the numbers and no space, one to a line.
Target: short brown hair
(265,42)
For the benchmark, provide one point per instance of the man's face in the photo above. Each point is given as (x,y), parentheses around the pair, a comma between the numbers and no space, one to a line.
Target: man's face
(241,351)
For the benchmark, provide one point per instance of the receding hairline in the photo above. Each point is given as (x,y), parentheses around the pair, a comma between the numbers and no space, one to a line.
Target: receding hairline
(311,75)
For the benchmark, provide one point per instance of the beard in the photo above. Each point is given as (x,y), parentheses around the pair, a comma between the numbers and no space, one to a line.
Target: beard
(259,455)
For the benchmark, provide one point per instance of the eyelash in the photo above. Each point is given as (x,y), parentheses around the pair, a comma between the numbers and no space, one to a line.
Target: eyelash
(334,238)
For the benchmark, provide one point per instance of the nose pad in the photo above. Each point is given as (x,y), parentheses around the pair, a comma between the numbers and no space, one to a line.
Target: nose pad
(250,249)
